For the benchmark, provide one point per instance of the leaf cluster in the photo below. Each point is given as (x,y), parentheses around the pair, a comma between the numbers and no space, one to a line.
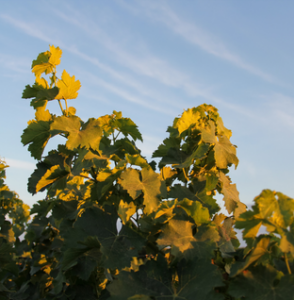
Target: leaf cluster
(115,226)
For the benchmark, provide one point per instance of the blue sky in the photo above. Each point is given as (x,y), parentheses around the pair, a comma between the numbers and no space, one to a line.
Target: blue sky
(153,59)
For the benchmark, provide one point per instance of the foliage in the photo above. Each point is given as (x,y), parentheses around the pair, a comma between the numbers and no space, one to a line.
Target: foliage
(114,226)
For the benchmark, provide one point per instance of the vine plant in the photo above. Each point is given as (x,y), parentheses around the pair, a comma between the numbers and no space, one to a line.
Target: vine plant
(172,242)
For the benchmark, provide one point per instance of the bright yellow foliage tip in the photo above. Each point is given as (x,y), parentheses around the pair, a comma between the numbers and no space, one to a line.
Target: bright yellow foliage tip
(68,87)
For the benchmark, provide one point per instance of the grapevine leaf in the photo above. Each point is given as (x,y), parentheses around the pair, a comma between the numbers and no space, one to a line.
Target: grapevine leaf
(68,87)
(104,181)
(41,64)
(126,210)
(195,209)
(43,114)
(198,154)
(151,185)
(89,135)
(124,247)
(174,156)
(167,144)
(222,130)
(199,277)
(181,192)
(128,127)
(167,173)
(261,283)
(287,243)
(231,196)
(136,160)
(118,249)
(204,250)
(189,118)
(225,153)
(40,92)
(208,133)
(55,55)
(226,234)
(52,175)
(259,250)
(278,211)
(177,233)
(88,159)
(154,279)
(37,135)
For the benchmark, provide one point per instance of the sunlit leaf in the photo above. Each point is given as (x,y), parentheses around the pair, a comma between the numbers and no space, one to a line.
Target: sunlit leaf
(68,87)
(151,185)
(86,135)
(225,153)
(231,196)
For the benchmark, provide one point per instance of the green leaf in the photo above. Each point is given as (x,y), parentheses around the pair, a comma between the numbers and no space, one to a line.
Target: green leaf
(89,135)
(168,143)
(154,280)
(55,173)
(262,283)
(37,134)
(198,154)
(174,157)
(195,209)
(36,176)
(41,64)
(259,250)
(117,248)
(123,248)
(151,185)
(41,93)
(128,127)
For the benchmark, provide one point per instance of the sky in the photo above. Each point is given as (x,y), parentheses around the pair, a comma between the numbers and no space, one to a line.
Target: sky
(152,60)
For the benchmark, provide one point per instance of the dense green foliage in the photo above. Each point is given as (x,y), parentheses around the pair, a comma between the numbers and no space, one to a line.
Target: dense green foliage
(115,226)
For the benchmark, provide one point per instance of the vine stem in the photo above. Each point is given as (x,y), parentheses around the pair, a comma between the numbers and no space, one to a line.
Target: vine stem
(185,174)
(86,177)
(60,105)
(66,107)
(287,264)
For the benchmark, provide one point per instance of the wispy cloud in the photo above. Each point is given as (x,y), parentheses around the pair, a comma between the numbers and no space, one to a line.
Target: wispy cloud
(143,64)
(211,44)
(15,64)
(28,28)
(282,107)
(128,95)
(20,164)
(32,30)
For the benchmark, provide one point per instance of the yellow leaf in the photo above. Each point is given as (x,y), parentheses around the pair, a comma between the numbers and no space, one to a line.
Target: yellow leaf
(187,119)
(43,82)
(43,114)
(68,87)
(55,55)
(72,110)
